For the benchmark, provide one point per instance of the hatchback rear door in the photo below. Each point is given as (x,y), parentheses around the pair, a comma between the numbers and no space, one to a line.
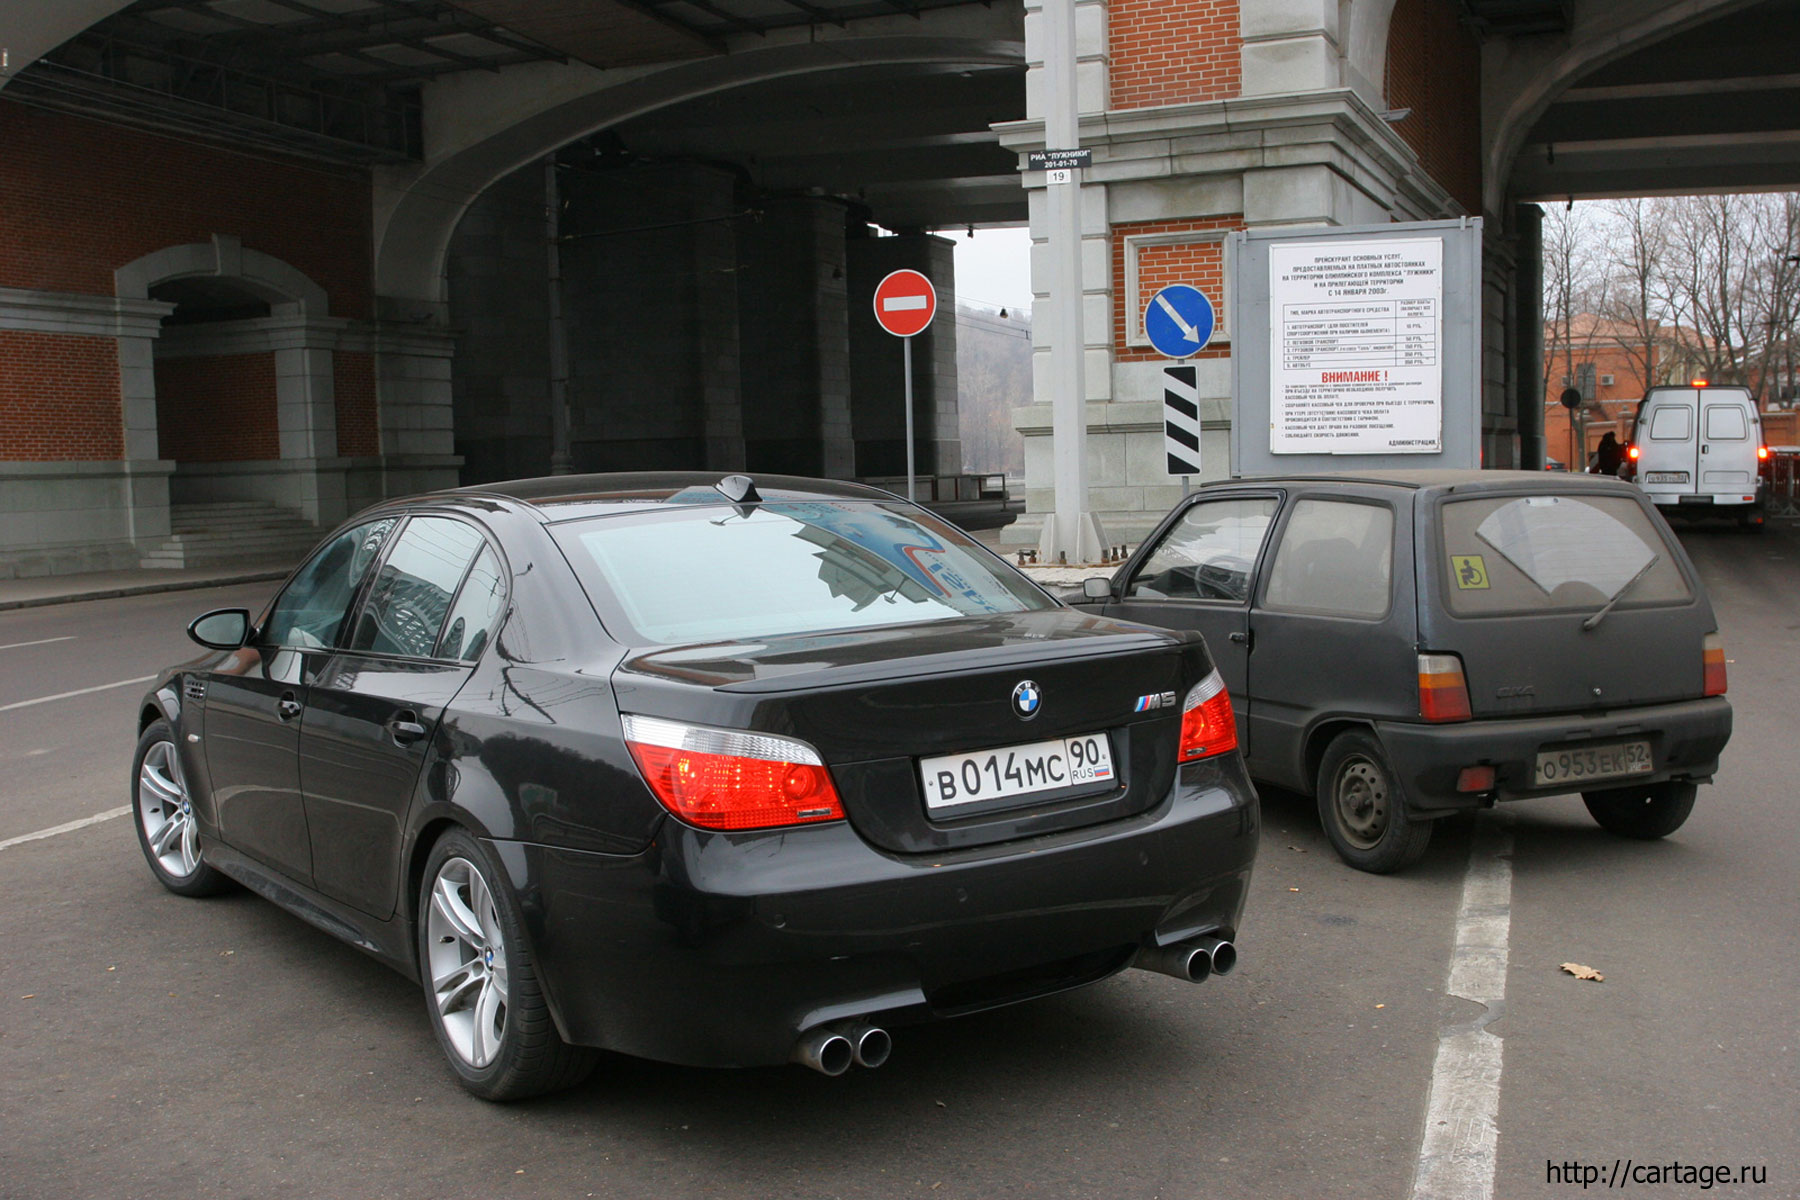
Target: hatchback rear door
(1729,436)
(1668,444)
(1519,577)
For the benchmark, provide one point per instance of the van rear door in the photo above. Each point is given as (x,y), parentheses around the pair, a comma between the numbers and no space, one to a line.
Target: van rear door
(1668,446)
(1728,440)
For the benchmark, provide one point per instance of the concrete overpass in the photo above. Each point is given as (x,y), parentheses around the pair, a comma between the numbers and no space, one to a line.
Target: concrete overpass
(296,250)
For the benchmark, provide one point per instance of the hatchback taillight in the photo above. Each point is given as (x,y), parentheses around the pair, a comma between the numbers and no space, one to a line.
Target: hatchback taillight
(1712,659)
(728,779)
(1443,692)
(1208,726)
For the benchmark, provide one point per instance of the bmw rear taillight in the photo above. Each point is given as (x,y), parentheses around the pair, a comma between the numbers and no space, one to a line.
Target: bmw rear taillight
(1712,658)
(1443,692)
(1207,724)
(728,779)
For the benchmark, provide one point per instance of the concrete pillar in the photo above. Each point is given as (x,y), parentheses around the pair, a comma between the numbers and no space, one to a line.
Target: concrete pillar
(1527,354)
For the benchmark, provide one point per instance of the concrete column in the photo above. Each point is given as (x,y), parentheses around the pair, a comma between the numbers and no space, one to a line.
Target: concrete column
(717,332)
(1528,334)
(1290,46)
(412,387)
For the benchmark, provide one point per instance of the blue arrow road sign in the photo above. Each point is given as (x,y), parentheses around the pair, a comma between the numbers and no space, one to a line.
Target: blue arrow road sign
(1179,321)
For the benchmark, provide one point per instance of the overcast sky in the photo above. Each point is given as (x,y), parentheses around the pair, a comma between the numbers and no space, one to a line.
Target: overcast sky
(993,268)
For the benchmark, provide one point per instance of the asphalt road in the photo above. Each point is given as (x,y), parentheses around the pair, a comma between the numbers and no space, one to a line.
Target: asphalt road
(155,1046)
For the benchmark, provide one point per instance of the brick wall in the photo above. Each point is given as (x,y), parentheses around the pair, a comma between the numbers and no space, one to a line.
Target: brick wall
(1170,52)
(358,429)
(59,397)
(1198,264)
(217,409)
(79,198)
(1434,68)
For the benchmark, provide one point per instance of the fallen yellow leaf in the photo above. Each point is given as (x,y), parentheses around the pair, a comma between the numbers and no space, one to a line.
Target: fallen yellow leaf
(1580,971)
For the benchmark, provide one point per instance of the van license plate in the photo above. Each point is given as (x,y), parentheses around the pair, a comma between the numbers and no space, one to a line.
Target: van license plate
(1665,476)
(1582,763)
(1053,766)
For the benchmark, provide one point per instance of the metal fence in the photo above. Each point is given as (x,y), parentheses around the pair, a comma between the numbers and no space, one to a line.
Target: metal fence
(1784,481)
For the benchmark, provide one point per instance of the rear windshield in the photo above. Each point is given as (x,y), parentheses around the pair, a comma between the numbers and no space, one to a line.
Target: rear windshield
(1725,422)
(1510,554)
(1671,423)
(705,573)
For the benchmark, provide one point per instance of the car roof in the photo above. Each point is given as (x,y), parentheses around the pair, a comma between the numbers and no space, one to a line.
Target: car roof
(565,497)
(1438,479)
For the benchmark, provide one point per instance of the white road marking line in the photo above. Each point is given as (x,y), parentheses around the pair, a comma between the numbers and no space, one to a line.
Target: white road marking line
(99,687)
(39,642)
(1462,1131)
(68,827)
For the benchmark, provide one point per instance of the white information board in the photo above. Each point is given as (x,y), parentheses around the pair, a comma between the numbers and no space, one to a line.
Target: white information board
(1355,361)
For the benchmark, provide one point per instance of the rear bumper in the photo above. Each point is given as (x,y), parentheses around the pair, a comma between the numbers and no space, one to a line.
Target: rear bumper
(715,949)
(1685,741)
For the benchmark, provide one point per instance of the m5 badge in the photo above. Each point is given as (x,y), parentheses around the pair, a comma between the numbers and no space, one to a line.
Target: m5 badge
(1155,700)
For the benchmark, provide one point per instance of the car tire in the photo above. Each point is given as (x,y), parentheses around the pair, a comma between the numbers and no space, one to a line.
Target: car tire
(1647,812)
(482,992)
(162,811)
(1363,807)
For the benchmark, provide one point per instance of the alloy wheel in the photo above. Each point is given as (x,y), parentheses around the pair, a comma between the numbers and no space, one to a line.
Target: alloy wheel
(466,955)
(166,812)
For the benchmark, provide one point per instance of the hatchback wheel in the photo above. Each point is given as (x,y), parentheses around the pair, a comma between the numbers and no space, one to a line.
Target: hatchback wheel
(1363,808)
(486,1004)
(1649,811)
(164,815)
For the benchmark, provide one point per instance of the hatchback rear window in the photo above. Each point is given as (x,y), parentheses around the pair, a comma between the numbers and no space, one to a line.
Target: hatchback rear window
(705,573)
(1510,554)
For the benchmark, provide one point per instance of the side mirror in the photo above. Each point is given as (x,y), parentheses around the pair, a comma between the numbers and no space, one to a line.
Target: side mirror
(1097,587)
(221,629)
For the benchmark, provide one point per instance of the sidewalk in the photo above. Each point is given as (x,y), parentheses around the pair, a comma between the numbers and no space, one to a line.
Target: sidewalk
(105,585)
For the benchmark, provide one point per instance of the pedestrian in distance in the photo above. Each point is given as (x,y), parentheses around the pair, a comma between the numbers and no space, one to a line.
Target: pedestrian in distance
(1608,455)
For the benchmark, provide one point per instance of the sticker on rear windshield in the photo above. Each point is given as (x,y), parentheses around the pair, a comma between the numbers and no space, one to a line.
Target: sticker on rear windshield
(1471,572)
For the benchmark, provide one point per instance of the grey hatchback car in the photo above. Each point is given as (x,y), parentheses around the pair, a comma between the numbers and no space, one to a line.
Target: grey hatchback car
(1405,645)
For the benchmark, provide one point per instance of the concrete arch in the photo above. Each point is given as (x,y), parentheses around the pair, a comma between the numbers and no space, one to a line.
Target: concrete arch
(287,289)
(1365,47)
(1520,80)
(419,211)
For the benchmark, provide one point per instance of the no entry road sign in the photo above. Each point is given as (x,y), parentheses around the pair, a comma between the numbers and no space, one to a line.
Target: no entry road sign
(1179,321)
(905,302)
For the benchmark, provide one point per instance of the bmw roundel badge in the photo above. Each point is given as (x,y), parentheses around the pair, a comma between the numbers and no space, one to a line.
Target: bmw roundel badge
(1027,699)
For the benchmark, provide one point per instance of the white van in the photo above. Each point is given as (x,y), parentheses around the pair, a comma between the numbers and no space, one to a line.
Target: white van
(1697,451)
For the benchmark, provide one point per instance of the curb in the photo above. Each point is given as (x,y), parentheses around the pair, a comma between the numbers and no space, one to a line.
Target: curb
(144,589)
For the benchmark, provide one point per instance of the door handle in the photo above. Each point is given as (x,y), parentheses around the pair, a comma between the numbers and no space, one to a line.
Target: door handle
(288,707)
(1242,639)
(404,727)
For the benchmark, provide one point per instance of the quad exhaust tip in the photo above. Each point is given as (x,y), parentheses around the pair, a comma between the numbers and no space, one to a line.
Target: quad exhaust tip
(833,1049)
(1192,960)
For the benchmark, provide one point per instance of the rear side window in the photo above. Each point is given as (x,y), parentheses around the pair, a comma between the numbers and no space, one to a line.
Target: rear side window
(1671,423)
(1725,423)
(704,572)
(412,593)
(1336,558)
(1511,554)
(1209,553)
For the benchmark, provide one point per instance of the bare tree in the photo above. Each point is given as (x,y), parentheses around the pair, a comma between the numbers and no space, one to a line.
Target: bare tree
(1637,293)
(1709,256)
(1572,283)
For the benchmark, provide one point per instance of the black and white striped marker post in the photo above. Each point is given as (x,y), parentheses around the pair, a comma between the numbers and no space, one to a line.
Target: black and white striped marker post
(1181,422)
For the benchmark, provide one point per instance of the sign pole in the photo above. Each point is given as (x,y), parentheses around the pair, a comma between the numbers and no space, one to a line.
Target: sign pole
(906,353)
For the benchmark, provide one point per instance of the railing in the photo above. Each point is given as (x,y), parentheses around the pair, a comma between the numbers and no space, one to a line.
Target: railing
(1784,481)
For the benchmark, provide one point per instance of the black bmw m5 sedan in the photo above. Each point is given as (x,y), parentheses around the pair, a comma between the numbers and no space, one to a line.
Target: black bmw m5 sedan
(721,772)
